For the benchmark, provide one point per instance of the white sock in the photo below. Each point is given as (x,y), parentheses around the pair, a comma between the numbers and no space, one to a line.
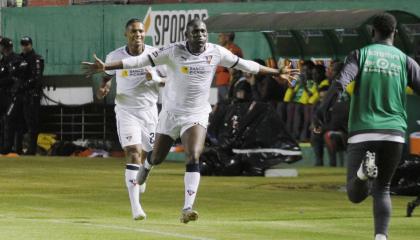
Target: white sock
(191,181)
(147,165)
(133,188)
(380,237)
(361,175)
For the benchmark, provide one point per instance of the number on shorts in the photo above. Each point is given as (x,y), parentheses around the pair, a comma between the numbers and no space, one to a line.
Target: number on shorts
(152,138)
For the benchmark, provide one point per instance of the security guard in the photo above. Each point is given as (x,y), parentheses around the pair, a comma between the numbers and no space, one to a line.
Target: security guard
(31,92)
(12,67)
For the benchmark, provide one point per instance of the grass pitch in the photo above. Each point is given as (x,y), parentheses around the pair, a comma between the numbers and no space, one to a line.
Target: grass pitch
(80,198)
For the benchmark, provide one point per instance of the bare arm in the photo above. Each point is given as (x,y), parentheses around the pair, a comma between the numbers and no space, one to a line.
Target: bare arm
(105,87)
(268,71)
(413,70)
(99,66)
(285,73)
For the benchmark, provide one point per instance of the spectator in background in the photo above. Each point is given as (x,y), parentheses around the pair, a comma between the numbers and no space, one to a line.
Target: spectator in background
(223,75)
(320,77)
(4,90)
(242,91)
(13,67)
(329,73)
(265,88)
(333,134)
(300,98)
(317,140)
(310,96)
(31,93)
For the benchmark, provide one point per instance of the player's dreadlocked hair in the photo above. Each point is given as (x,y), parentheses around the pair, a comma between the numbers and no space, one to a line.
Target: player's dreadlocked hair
(385,24)
(131,21)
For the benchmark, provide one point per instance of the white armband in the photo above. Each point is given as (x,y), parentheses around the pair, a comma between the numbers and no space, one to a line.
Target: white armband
(247,66)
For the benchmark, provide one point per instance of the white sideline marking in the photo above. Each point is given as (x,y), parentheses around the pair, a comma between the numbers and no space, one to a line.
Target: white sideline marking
(268,150)
(182,236)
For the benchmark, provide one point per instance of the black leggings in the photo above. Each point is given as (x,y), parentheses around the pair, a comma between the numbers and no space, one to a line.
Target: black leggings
(388,155)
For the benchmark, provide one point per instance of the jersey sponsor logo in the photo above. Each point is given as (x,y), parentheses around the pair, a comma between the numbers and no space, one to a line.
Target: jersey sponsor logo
(382,63)
(199,70)
(208,59)
(167,27)
(382,66)
(133,72)
(382,54)
(195,70)
(124,73)
(184,70)
(133,181)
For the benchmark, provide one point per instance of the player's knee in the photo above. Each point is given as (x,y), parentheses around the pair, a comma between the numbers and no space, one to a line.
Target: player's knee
(354,198)
(156,158)
(193,157)
(132,153)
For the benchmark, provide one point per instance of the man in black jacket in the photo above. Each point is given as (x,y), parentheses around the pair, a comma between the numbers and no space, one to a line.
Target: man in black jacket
(12,67)
(31,93)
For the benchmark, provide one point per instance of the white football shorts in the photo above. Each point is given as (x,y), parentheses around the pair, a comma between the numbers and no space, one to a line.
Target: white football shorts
(136,126)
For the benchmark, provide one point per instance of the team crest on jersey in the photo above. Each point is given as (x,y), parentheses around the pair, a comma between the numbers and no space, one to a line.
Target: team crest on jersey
(208,58)
(124,73)
(184,69)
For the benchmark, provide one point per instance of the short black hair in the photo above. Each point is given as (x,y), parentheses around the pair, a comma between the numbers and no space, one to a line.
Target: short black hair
(193,22)
(131,21)
(320,69)
(309,64)
(385,24)
(6,43)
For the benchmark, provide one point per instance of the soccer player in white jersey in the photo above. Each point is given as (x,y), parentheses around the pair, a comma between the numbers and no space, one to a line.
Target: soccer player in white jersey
(190,66)
(135,110)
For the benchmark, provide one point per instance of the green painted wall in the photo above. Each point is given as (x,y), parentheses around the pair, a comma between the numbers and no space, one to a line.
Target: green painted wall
(67,35)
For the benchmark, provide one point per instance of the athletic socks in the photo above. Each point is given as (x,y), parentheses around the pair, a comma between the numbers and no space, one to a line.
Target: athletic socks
(191,181)
(147,164)
(133,188)
(380,237)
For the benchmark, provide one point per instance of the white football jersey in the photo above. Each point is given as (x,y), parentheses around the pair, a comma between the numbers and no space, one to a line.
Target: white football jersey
(133,89)
(190,76)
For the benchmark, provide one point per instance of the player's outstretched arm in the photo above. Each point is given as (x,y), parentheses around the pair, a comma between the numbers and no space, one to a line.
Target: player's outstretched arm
(98,66)
(127,63)
(285,73)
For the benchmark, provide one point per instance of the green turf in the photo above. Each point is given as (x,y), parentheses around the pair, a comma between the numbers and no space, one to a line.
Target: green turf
(67,198)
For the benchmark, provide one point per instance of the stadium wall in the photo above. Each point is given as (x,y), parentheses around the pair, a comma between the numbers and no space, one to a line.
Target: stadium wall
(66,35)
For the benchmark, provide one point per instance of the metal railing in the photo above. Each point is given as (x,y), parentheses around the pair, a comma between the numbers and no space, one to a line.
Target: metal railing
(79,122)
